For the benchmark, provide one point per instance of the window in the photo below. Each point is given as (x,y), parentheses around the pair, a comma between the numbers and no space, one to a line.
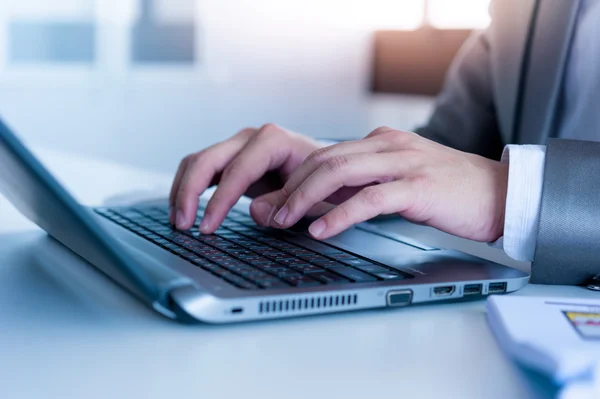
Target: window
(413,14)
(458,14)
(71,40)
(164,32)
(58,31)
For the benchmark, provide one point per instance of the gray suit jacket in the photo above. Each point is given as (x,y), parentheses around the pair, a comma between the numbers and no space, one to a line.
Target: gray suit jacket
(503,88)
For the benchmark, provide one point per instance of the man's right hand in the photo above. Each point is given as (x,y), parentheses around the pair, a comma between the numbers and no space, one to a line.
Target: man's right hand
(235,165)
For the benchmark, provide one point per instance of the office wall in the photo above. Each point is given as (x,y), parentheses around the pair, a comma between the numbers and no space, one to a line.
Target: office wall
(303,64)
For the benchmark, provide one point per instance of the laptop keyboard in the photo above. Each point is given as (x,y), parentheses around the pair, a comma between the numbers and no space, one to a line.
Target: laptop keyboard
(252,257)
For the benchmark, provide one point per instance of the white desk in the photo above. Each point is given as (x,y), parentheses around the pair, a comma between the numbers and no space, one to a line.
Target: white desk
(83,337)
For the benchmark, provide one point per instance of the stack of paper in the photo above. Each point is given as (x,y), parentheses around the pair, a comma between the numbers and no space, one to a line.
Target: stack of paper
(558,337)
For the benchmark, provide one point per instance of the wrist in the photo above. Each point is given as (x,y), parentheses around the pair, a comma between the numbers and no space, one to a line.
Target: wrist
(501,193)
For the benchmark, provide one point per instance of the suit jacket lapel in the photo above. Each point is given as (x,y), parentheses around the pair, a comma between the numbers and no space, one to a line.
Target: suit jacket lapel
(544,68)
(509,34)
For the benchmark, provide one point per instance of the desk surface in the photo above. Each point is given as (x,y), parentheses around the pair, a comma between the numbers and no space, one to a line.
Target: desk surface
(66,331)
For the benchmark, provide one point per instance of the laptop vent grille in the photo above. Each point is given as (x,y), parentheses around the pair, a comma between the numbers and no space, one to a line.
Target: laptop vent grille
(307,303)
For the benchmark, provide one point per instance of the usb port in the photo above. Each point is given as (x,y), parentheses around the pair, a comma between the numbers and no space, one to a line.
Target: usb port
(472,289)
(443,291)
(496,288)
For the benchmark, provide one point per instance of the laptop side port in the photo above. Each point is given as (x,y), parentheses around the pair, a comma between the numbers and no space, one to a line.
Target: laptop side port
(496,288)
(399,297)
(472,289)
(445,290)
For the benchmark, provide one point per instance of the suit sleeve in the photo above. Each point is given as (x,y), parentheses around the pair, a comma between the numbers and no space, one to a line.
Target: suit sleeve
(464,116)
(568,237)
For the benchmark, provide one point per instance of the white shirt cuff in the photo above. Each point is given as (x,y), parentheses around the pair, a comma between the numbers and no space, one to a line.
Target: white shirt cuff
(523,199)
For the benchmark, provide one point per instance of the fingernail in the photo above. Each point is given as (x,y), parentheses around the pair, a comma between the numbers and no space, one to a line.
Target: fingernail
(272,215)
(179,220)
(205,223)
(262,210)
(317,228)
(281,215)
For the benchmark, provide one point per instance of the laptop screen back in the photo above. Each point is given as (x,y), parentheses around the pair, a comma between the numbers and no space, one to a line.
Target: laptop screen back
(37,195)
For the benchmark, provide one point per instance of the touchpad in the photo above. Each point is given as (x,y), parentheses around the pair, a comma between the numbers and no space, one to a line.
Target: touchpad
(372,245)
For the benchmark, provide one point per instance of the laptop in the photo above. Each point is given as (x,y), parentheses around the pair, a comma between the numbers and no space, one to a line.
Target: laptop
(243,271)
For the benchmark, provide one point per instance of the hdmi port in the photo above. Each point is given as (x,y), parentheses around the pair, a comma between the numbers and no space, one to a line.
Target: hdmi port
(443,291)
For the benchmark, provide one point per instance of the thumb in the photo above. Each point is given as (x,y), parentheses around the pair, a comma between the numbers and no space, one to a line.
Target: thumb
(262,208)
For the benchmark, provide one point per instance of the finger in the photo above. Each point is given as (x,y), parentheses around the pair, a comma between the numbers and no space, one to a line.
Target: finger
(372,201)
(262,209)
(200,170)
(352,170)
(266,151)
(314,160)
(175,188)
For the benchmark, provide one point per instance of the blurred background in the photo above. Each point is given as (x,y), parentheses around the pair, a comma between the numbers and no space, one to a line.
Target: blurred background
(146,82)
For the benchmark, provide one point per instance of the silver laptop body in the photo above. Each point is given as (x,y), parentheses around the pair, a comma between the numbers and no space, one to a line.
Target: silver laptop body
(180,289)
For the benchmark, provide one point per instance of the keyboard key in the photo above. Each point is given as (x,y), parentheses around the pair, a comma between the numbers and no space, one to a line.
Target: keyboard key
(232,236)
(250,258)
(228,246)
(274,268)
(356,262)
(217,270)
(255,274)
(198,261)
(330,278)
(206,265)
(290,261)
(302,281)
(207,238)
(181,252)
(327,264)
(371,268)
(217,258)
(315,246)
(307,268)
(258,259)
(240,229)
(239,269)
(273,253)
(129,213)
(239,281)
(313,257)
(353,274)
(236,216)
(288,273)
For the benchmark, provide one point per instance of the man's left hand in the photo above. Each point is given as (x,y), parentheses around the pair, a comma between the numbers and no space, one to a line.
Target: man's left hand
(395,172)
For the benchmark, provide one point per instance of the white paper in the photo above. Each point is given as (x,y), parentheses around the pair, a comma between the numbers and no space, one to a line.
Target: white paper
(558,337)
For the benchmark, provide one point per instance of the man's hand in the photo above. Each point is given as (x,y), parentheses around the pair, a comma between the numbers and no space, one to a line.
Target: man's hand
(237,165)
(390,172)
